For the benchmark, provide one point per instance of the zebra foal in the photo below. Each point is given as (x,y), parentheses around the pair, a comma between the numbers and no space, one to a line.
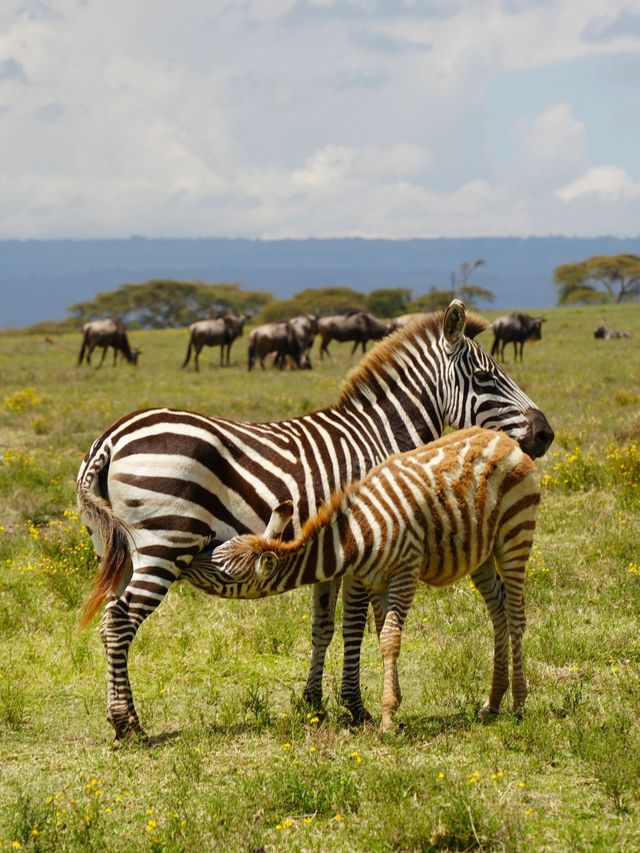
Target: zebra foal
(456,507)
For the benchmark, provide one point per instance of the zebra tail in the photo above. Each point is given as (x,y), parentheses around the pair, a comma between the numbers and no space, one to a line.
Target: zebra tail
(116,555)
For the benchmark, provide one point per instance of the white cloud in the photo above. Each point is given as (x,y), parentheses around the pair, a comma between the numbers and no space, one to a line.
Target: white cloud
(335,163)
(549,148)
(285,118)
(608,183)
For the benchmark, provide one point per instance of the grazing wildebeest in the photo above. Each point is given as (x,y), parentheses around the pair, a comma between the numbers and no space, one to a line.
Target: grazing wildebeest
(609,334)
(306,329)
(284,340)
(107,333)
(516,329)
(358,326)
(219,331)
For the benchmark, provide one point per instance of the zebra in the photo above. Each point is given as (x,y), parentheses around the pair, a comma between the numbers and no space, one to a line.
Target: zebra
(161,487)
(436,514)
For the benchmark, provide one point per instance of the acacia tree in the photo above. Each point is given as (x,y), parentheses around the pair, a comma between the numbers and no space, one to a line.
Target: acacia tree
(389,301)
(434,300)
(315,300)
(602,278)
(164,303)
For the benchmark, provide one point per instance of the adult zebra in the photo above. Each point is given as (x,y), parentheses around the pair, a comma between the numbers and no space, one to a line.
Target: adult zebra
(162,487)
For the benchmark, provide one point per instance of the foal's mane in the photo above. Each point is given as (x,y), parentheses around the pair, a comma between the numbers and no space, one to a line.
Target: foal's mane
(388,350)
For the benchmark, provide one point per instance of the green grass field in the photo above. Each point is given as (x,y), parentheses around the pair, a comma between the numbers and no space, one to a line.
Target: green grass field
(236,762)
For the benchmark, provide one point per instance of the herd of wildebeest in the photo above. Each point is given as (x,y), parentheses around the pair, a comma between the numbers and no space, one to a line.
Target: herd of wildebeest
(288,343)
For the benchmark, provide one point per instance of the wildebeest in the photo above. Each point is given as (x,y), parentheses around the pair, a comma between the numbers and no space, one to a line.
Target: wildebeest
(516,329)
(106,333)
(307,327)
(401,321)
(358,326)
(283,339)
(219,331)
(609,334)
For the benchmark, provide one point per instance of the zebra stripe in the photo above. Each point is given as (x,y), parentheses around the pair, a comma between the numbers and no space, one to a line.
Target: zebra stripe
(470,502)
(162,487)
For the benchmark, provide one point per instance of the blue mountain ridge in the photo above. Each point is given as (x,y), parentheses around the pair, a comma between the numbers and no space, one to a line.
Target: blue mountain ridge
(40,279)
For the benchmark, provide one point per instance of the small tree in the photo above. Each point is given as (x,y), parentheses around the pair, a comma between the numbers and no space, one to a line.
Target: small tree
(470,294)
(602,278)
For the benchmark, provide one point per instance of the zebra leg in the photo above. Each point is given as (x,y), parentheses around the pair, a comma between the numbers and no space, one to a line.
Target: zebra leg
(488,583)
(120,622)
(354,619)
(325,595)
(512,555)
(514,583)
(380,606)
(402,588)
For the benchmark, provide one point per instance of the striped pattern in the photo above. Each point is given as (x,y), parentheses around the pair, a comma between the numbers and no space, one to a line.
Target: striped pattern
(161,488)
(456,507)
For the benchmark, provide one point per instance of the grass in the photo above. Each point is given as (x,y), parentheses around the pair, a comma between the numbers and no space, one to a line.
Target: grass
(236,762)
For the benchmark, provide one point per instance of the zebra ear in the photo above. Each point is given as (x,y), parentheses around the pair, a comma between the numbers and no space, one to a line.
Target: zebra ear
(453,324)
(279,520)
(266,564)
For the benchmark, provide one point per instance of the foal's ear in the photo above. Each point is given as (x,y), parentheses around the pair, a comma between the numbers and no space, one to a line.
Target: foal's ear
(453,324)
(266,564)
(279,519)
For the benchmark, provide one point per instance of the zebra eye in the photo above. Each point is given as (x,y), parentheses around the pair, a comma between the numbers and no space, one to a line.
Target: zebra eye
(483,375)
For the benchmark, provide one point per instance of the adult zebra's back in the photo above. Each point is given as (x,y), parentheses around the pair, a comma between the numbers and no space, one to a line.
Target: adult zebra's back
(161,488)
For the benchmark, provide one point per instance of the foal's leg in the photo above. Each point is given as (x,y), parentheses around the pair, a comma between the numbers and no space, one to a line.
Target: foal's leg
(122,617)
(402,588)
(490,586)
(325,595)
(380,607)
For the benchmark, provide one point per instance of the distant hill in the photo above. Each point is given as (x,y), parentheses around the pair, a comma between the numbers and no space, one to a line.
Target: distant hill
(39,279)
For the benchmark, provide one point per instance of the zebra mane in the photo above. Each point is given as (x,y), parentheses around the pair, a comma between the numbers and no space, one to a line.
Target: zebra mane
(256,543)
(388,350)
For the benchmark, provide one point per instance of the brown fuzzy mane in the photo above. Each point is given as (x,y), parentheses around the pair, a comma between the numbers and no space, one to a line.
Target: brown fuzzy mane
(311,526)
(389,348)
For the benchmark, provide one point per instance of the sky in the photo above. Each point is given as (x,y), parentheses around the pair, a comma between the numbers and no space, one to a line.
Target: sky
(319,118)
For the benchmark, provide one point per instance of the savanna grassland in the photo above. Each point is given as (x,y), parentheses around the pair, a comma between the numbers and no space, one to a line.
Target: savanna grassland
(235,761)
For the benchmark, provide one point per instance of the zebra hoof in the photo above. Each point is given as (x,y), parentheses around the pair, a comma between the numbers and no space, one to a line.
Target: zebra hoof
(312,700)
(131,732)
(488,713)
(387,726)
(360,716)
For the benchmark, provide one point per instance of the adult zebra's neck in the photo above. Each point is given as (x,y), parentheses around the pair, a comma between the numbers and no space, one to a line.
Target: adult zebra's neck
(396,393)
